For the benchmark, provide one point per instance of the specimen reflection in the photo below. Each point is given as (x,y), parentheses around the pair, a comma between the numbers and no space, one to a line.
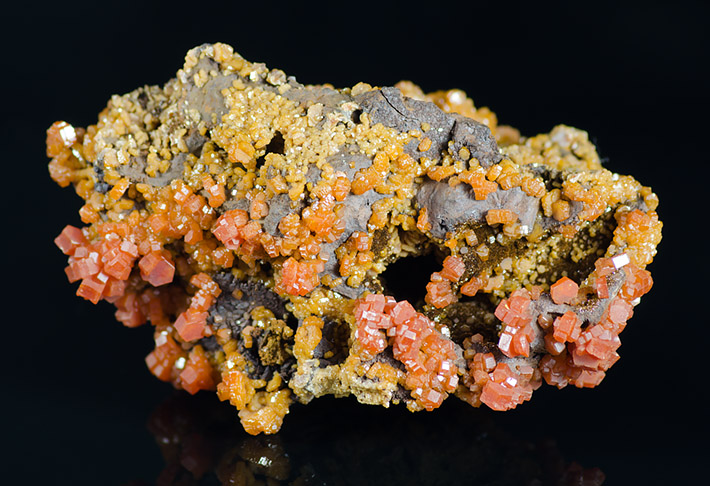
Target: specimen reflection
(203,443)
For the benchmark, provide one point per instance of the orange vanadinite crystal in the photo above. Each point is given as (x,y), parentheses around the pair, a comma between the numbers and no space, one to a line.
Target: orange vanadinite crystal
(64,167)
(322,220)
(564,290)
(235,387)
(439,291)
(216,191)
(308,335)
(604,267)
(560,371)
(423,223)
(237,232)
(197,374)
(480,366)
(440,173)
(258,207)
(181,191)
(60,135)
(514,310)
(640,232)
(478,182)
(92,287)
(618,312)
(206,284)
(471,287)
(500,216)
(553,346)
(554,370)
(341,188)
(257,418)
(118,259)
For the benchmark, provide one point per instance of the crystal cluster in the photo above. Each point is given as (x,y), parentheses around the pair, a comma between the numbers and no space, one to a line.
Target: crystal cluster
(251,221)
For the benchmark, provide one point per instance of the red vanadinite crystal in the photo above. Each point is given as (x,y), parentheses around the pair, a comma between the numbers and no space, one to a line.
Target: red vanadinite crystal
(563,291)
(371,320)
(298,278)
(554,370)
(560,371)
(114,289)
(566,327)
(70,239)
(190,325)
(618,312)
(588,378)
(161,361)
(601,287)
(227,229)
(518,333)
(427,356)
(596,348)
(83,266)
(553,346)
(402,312)
(128,310)
(604,267)
(471,287)
(157,268)
(638,282)
(439,292)
(514,310)
(197,374)
(118,259)
(371,339)
(92,287)
(207,293)
(505,389)
(454,268)
(480,366)
(103,266)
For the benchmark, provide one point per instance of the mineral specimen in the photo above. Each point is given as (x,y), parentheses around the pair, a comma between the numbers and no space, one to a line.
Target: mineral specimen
(251,219)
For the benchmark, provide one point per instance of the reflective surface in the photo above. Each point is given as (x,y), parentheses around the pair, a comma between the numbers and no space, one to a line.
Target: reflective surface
(202,443)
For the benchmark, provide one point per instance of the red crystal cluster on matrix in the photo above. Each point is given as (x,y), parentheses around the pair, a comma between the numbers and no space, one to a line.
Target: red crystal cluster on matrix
(250,220)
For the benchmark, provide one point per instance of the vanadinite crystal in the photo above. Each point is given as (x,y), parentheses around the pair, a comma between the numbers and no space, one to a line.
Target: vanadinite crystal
(251,219)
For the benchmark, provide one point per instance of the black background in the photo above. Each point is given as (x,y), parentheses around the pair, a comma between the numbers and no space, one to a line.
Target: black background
(75,389)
